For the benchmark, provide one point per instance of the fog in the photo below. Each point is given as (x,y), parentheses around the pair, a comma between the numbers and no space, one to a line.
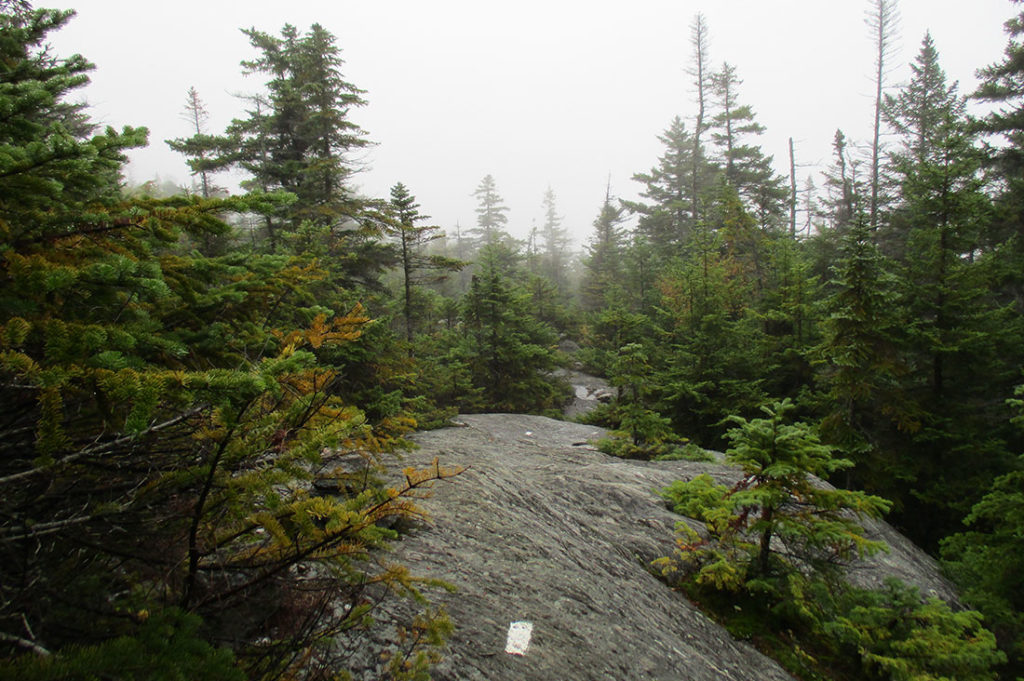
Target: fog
(570,95)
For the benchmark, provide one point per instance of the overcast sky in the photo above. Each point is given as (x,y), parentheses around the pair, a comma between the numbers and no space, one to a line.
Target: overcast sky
(538,93)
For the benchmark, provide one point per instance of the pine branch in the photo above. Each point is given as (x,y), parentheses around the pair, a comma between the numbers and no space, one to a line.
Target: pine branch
(104,447)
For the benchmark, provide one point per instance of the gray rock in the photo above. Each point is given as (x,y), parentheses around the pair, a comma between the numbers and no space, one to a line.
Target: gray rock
(588,392)
(543,528)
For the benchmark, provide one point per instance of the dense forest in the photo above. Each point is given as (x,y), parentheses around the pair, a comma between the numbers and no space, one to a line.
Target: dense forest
(206,394)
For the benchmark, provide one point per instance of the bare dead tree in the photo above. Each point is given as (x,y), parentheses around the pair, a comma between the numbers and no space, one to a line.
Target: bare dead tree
(702,81)
(792,191)
(883,19)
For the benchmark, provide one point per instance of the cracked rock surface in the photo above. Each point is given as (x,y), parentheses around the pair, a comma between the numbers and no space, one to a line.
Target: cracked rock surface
(543,528)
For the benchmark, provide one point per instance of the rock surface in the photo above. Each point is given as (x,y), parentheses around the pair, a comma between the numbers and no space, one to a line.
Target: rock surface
(543,528)
(588,392)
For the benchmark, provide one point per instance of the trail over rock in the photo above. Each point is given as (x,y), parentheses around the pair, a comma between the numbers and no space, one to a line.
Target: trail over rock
(543,528)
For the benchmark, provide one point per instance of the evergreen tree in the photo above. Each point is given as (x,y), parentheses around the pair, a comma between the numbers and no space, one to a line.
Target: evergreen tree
(987,558)
(491,215)
(507,348)
(556,244)
(298,138)
(604,259)
(790,308)
(416,265)
(667,217)
(745,166)
(201,149)
(708,314)
(162,414)
(841,206)
(1001,86)
(778,460)
(953,333)
(862,364)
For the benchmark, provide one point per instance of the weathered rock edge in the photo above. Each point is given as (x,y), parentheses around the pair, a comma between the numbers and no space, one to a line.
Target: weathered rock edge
(542,527)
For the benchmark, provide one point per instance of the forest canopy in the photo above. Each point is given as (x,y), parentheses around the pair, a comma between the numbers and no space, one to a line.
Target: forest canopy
(206,392)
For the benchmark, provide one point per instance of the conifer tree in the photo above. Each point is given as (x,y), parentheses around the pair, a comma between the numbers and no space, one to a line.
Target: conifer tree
(1002,93)
(986,558)
(778,459)
(708,315)
(201,148)
(162,414)
(938,218)
(507,348)
(862,363)
(604,259)
(953,332)
(491,215)
(745,166)
(417,266)
(667,217)
(298,138)
(840,207)
(1001,87)
(556,243)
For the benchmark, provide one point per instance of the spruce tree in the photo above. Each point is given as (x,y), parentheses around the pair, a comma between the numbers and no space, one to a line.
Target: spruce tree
(417,265)
(491,217)
(1001,87)
(604,260)
(708,314)
(163,412)
(777,500)
(667,216)
(508,350)
(745,166)
(201,148)
(953,332)
(556,244)
(861,363)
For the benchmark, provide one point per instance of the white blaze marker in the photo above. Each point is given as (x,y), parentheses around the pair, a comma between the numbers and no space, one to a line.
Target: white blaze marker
(518,638)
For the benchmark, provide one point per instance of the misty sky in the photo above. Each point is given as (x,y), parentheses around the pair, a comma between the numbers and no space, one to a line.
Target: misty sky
(558,93)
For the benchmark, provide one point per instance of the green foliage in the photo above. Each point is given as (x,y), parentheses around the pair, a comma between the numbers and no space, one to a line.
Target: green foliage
(667,216)
(164,646)
(789,598)
(490,214)
(717,362)
(507,349)
(605,257)
(746,168)
(417,267)
(776,501)
(899,636)
(987,559)
(170,415)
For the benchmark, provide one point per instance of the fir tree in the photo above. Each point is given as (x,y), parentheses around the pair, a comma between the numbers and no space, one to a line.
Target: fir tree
(745,166)
(777,499)
(417,266)
(163,411)
(604,259)
(506,347)
(200,149)
(491,215)
(1001,87)
(667,217)
(556,243)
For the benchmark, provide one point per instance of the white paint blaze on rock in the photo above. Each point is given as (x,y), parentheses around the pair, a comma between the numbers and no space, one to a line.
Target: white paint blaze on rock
(518,638)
